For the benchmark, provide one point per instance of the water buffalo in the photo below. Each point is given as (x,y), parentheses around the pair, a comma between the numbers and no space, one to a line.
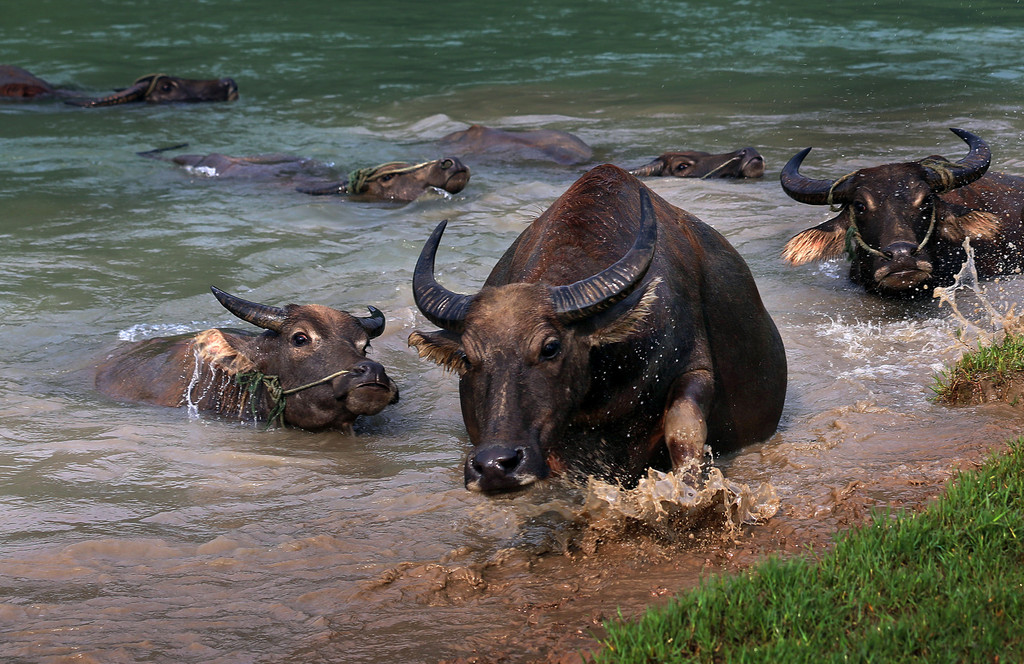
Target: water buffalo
(903,225)
(308,369)
(617,332)
(742,163)
(536,145)
(393,181)
(16,82)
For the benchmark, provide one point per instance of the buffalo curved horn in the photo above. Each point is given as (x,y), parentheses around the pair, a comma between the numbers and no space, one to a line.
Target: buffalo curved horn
(804,189)
(967,170)
(441,306)
(590,296)
(374,323)
(134,93)
(260,315)
(651,169)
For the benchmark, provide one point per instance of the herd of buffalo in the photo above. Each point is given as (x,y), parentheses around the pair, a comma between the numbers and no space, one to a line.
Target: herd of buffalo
(618,332)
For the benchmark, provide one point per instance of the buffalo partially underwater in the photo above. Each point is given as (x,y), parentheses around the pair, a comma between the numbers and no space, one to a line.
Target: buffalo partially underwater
(392,181)
(531,145)
(616,333)
(903,225)
(308,368)
(18,83)
(742,163)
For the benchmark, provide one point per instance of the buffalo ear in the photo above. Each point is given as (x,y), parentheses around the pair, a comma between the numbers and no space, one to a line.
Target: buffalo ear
(441,347)
(824,241)
(225,351)
(956,223)
(624,326)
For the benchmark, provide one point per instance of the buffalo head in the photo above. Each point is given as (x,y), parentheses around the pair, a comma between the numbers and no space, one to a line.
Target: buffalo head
(742,163)
(161,88)
(900,231)
(317,353)
(398,181)
(522,351)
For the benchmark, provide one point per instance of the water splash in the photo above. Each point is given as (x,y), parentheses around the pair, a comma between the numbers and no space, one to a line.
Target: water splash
(991,325)
(668,504)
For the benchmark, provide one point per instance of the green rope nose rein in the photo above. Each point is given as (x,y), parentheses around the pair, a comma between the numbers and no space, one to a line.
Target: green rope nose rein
(250,382)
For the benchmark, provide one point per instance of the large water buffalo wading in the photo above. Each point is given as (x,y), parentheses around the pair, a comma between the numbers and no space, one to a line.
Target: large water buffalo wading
(308,369)
(616,333)
(903,225)
(742,163)
(17,83)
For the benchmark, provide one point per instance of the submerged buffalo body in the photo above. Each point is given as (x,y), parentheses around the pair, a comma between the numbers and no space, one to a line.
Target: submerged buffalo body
(903,225)
(308,369)
(15,82)
(617,332)
(393,181)
(532,145)
(742,163)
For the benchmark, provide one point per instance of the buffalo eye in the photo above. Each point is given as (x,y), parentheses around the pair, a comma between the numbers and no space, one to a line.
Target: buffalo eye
(859,207)
(300,339)
(682,167)
(550,349)
(167,87)
(387,178)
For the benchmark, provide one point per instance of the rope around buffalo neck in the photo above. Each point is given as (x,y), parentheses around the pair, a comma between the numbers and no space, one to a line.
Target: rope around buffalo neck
(361,177)
(945,173)
(250,382)
(152,83)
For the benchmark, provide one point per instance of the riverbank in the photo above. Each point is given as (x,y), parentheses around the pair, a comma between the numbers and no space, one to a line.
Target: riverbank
(944,583)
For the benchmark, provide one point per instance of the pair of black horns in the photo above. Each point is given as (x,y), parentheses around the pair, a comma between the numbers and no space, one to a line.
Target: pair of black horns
(572,302)
(823,192)
(273,318)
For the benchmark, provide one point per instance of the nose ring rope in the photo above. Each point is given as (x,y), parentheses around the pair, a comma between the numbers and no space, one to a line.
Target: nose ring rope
(853,233)
(250,381)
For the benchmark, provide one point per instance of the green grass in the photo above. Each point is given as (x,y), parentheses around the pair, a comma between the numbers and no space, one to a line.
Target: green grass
(996,363)
(945,585)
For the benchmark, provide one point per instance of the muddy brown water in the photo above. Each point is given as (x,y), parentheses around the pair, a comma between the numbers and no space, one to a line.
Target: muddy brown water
(131,533)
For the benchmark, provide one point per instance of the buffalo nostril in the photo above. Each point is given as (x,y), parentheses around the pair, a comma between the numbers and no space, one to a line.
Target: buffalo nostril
(498,462)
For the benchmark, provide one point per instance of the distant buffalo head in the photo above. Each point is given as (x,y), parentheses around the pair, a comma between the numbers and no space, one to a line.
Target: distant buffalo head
(303,346)
(523,354)
(743,163)
(161,88)
(398,181)
(899,232)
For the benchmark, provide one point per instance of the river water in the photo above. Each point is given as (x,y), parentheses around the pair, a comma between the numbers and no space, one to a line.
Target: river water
(133,533)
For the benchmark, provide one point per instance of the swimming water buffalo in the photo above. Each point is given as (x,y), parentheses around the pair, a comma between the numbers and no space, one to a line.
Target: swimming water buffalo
(16,82)
(397,181)
(308,369)
(535,145)
(742,163)
(162,89)
(617,332)
(393,181)
(903,225)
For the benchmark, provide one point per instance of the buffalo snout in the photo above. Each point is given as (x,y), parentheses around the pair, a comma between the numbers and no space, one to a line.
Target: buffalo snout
(366,389)
(497,468)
